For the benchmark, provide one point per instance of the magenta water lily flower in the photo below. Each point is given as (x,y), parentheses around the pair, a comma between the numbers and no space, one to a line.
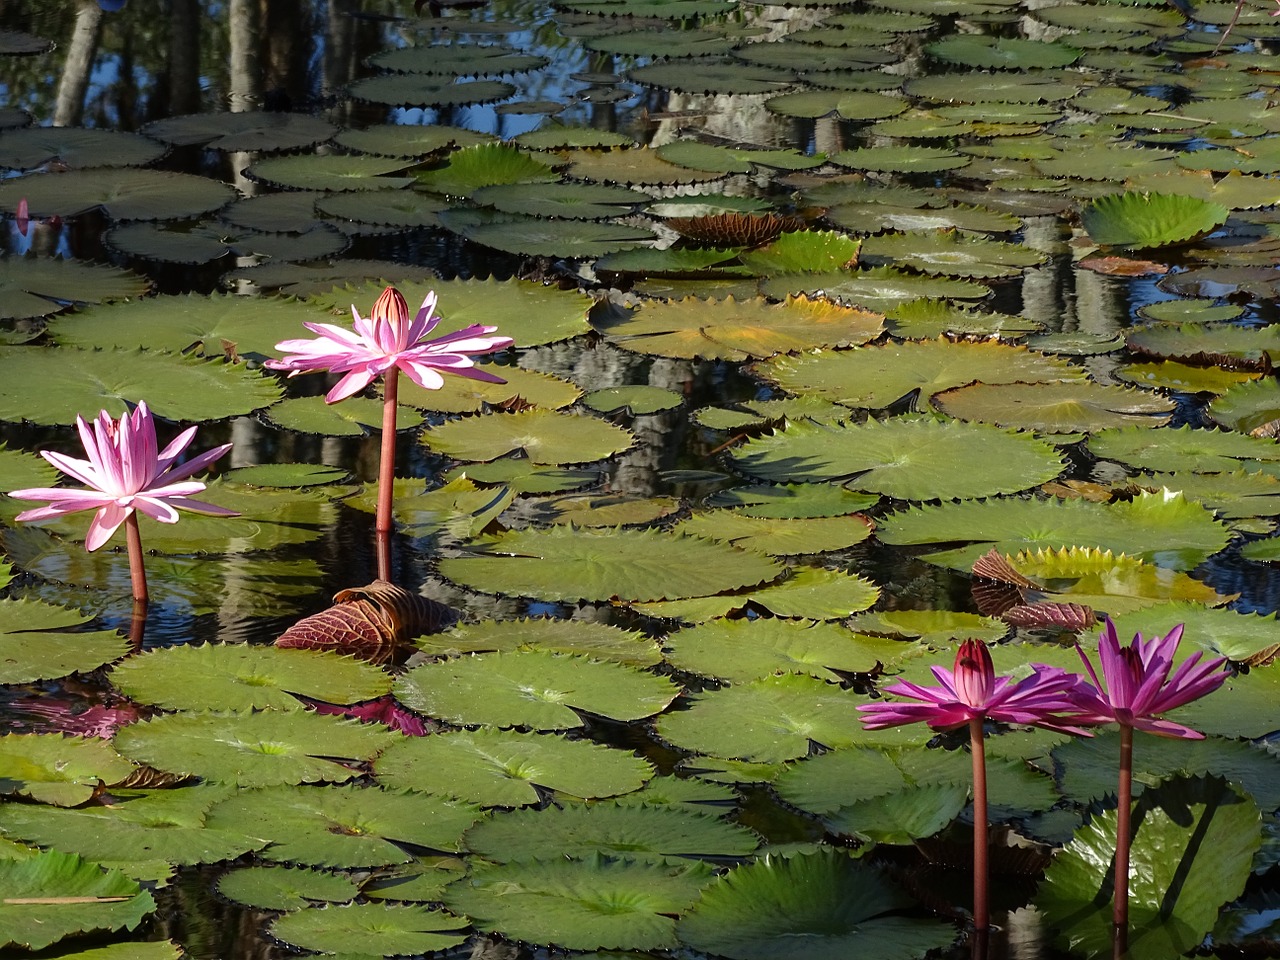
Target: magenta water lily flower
(973,691)
(125,474)
(1136,685)
(389,339)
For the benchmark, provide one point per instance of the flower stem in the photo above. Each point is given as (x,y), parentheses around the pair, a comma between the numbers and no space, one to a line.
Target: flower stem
(137,572)
(387,462)
(981,910)
(1124,798)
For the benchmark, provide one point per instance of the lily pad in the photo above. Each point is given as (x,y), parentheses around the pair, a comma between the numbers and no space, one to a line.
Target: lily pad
(418,90)
(950,254)
(909,458)
(248,131)
(1056,407)
(35,287)
(544,436)
(532,688)
(122,194)
(879,288)
(596,640)
(1145,220)
(329,172)
(573,201)
(506,768)
(563,563)
(744,650)
(778,537)
(75,148)
(809,593)
(284,888)
(59,770)
(538,237)
(384,929)
(40,641)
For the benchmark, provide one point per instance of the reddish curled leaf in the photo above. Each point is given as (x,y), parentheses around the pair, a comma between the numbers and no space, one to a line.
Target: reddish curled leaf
(735,229)
(992,598)
(1071,616)
(61,716)
(369,622)
(383,710)
(995,566)
(1123,266)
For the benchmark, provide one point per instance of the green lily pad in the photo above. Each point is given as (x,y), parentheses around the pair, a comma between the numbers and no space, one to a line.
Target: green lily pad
(384,929)
(485,165)
(284,888)
(253,749)
(711,75)
(1056,407)
(346,826)
(506,768)
(950,254)
(593,510)
(817,906)
(563,563)
(462,60)
(205,242)
(411,141)
(40,641)
(72,896)
(1249,406)
(122,194)
(74,148)
(544,436)
(532,688)
(596,640)
(417,90)
(637,832)
(637,401)
(744,650)
(778,537)
(872,217)
(54,386)
(720,159)
(1228,345)
(936,628)
(521,476)
(793,500)
(286,475)
(573,201)
(880,288)
(240,677)
(769,413)
(329,172)
(538,237)
(253,130)
(34,287)
(878,376)
(636,166)
(911,459)
(1192,851)
(60,770)
(353,417)
(805,592)
(591,904)
(1145,220)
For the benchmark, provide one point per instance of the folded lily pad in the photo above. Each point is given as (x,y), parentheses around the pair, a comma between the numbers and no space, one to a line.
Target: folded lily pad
(60,770)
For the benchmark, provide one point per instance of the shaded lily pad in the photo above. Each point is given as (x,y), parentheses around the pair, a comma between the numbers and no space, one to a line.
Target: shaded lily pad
(564,563)
(810,593)
(353,417)
(383,928)
(711,75)
(460,60)
(880,288)
(521,476)
(284,888)
(483,165)
(951,254)
(636,400)
(253,749)
(72,896)
(1183,448)
(54,386)
(253,130)
(894,159)
(1249,406)
(34,287)
(532,688)
(544,436)
(75,148)
(409,140)
(506,768)
(574,201)
(417,90)
(241,677)
(793,500)
(596,903)
(819,906)
(345,826)
(329,172)
(123,194)
(909,458)
(537,237)
(59,770)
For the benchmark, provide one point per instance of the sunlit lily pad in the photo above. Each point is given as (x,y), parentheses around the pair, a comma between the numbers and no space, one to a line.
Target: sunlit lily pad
(735,330)
(1164,528)
(483,165)
(894,159)
(544,436)
(908,458)
(284,888)
(793,500)
(563,563)
(206,242)
(71,896)
(1184,377)
(825,900)
(605,510)
(1249,406)
(521,476)
(254,130)
(878,376)
(60,770)
(353,417)
(241,677)
(742,650)
(1144,220)
(1056,407)
(951,254)
(778,537)
(1226,344)
(532,688)
(39,641)
(384,929)
(810,593)
(638,832)
(771,719)
(1183,448)
(879,288)
(345,826)
(534,236)
(286,475)
(637,400)
(123,194)
(54,386)
(596,640)
(874,216)
(253,749)
(803,251)
(34,287)
(505,768)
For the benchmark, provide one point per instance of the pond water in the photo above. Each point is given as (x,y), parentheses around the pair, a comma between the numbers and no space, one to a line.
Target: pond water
(813,306)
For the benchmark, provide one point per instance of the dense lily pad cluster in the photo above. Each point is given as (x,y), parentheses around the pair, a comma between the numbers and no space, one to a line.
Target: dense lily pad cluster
(852,350)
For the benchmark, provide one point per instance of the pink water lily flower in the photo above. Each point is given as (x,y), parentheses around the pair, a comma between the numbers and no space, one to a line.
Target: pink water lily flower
(124,473)
(388,339)
(1136,686)
(973,691)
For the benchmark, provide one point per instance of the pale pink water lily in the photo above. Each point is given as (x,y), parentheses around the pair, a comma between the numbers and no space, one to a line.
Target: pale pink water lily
(973,691)
(1136,684)
(124,473)
(388,339)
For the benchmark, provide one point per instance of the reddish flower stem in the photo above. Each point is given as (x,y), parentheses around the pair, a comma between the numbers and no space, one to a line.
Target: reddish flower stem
(981,910)
(387,462)
(137,572)
(1124,798)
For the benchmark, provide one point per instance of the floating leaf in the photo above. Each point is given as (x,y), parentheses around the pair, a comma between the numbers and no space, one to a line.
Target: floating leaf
(532,688)
(951,254)
(70,895)
(55,769)
(793,500)
(778,537)
(505,768)
(253,749)
(1248,407)
(638,400)
(710,75)
(819,906)
(123,194)
(249,131)
(354,417)
(381,928)
(573,201)
(742,650)
(1055,407)
(73,148)
(33,287)
(345,826)
(585,637)
(329,172)
(806,592)
(544,436)
(912,459)
(880,288)
(284,888)
(416,90)
(54,386)
(1144,220)
(1229,345)
(39,641)
(240,677)
(597,903)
